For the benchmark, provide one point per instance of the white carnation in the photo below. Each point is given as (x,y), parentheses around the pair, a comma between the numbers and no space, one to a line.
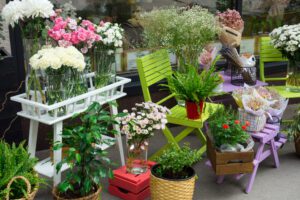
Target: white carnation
(38,8)
(13,12)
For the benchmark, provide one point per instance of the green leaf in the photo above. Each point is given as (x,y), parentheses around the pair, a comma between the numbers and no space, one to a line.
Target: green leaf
(78,158)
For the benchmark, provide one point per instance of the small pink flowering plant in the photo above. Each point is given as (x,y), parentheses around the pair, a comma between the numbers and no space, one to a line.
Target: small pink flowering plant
(144,119)
(231,19)
(72,32)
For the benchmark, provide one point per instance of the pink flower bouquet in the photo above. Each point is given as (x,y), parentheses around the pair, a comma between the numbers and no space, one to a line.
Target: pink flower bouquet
(70,32)
(207,56)
(231,19)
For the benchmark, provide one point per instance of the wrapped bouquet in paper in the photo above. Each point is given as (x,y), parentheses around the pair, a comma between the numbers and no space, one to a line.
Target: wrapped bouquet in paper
(232,26)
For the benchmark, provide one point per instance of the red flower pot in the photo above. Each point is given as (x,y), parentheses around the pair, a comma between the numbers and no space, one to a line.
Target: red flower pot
(194,109)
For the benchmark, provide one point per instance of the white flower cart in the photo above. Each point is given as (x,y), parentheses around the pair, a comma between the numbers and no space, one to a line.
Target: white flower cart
(49,114)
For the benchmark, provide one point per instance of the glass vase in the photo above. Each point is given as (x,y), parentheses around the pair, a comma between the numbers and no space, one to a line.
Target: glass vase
(77,84)
(136,162)
(34,78)
(293,76)
(104,62)
(57,89)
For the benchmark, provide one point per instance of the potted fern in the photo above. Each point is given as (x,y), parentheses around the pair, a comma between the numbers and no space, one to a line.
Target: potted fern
(173,177)
(88,163)
(18,180)
(193,88)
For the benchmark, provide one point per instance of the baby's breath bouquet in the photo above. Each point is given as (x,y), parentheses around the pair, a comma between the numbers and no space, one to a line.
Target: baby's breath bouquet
(185,31)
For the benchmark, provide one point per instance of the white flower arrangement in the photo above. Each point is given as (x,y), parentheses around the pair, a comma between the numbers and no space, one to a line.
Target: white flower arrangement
(112,34)
(16,10)
(57,57)
(286,39)
(144,119)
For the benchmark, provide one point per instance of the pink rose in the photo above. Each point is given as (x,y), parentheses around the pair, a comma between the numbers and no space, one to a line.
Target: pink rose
(86,23)
(56,27)
(82,36)
(64,43)
(58,20)
(67,36)
(84,50)
(74,38)
(102,23)
(91,27)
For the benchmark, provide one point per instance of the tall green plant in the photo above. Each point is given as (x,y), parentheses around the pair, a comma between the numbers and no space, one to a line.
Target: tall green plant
(87,162)
(184,31)
(192,86)
(15,161)
(294,127)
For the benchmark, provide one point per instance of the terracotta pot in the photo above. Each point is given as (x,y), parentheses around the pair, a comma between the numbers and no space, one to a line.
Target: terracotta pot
(166,189)
(194,109)
(94,196)
(297,145)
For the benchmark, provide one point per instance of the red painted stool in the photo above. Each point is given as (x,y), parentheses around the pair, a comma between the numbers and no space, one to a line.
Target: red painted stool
(130,186)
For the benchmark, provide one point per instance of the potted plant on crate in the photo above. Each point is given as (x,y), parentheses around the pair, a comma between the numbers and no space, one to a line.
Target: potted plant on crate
(194,88)
(18,180)
(294,131)
(88,162)
(228,142)
(139,126)
(173,177)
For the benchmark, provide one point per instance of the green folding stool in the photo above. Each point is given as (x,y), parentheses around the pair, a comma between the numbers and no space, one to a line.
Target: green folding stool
(155,67)
(269,54)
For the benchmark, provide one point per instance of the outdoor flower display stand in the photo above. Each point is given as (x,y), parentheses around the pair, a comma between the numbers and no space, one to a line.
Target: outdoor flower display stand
(267,137)
(49,114)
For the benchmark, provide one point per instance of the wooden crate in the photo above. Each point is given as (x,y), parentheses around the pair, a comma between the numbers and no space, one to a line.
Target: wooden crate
(229,162)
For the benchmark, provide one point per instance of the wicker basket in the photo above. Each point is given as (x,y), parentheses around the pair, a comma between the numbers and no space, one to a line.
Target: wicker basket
(257,123)
(94,196)
(167,189)
(30,193)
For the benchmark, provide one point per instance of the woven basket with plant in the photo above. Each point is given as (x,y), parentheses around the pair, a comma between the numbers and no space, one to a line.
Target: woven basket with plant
(173,177)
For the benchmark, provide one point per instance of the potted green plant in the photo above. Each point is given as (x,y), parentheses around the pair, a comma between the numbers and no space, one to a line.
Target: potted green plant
(229,146)
(88,163)
(294,131)
(227,131)
(193,88)
(173,177)
(18,180)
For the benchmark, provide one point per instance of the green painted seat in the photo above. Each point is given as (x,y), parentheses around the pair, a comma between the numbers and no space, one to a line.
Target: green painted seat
(153,68)
(269,54)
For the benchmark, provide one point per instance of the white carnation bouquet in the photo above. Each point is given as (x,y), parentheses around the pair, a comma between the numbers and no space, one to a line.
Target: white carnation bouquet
(57,58)
(112,35)
(287,40)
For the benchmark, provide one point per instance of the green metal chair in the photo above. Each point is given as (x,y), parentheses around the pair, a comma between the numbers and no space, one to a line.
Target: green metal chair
(153,68)
(269,54)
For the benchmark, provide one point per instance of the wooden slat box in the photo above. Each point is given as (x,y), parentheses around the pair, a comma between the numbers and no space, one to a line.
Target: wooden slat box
(229,162)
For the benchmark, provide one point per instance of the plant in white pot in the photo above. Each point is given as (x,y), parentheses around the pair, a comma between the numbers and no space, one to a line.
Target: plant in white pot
(88,163)
(173,176)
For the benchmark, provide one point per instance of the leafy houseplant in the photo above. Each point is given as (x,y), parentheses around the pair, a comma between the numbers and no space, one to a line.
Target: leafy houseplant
(294,132)
(226,129)
(173,177)
(185,31)
(139,126)
(14,162)
(87,162)
(194,88)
